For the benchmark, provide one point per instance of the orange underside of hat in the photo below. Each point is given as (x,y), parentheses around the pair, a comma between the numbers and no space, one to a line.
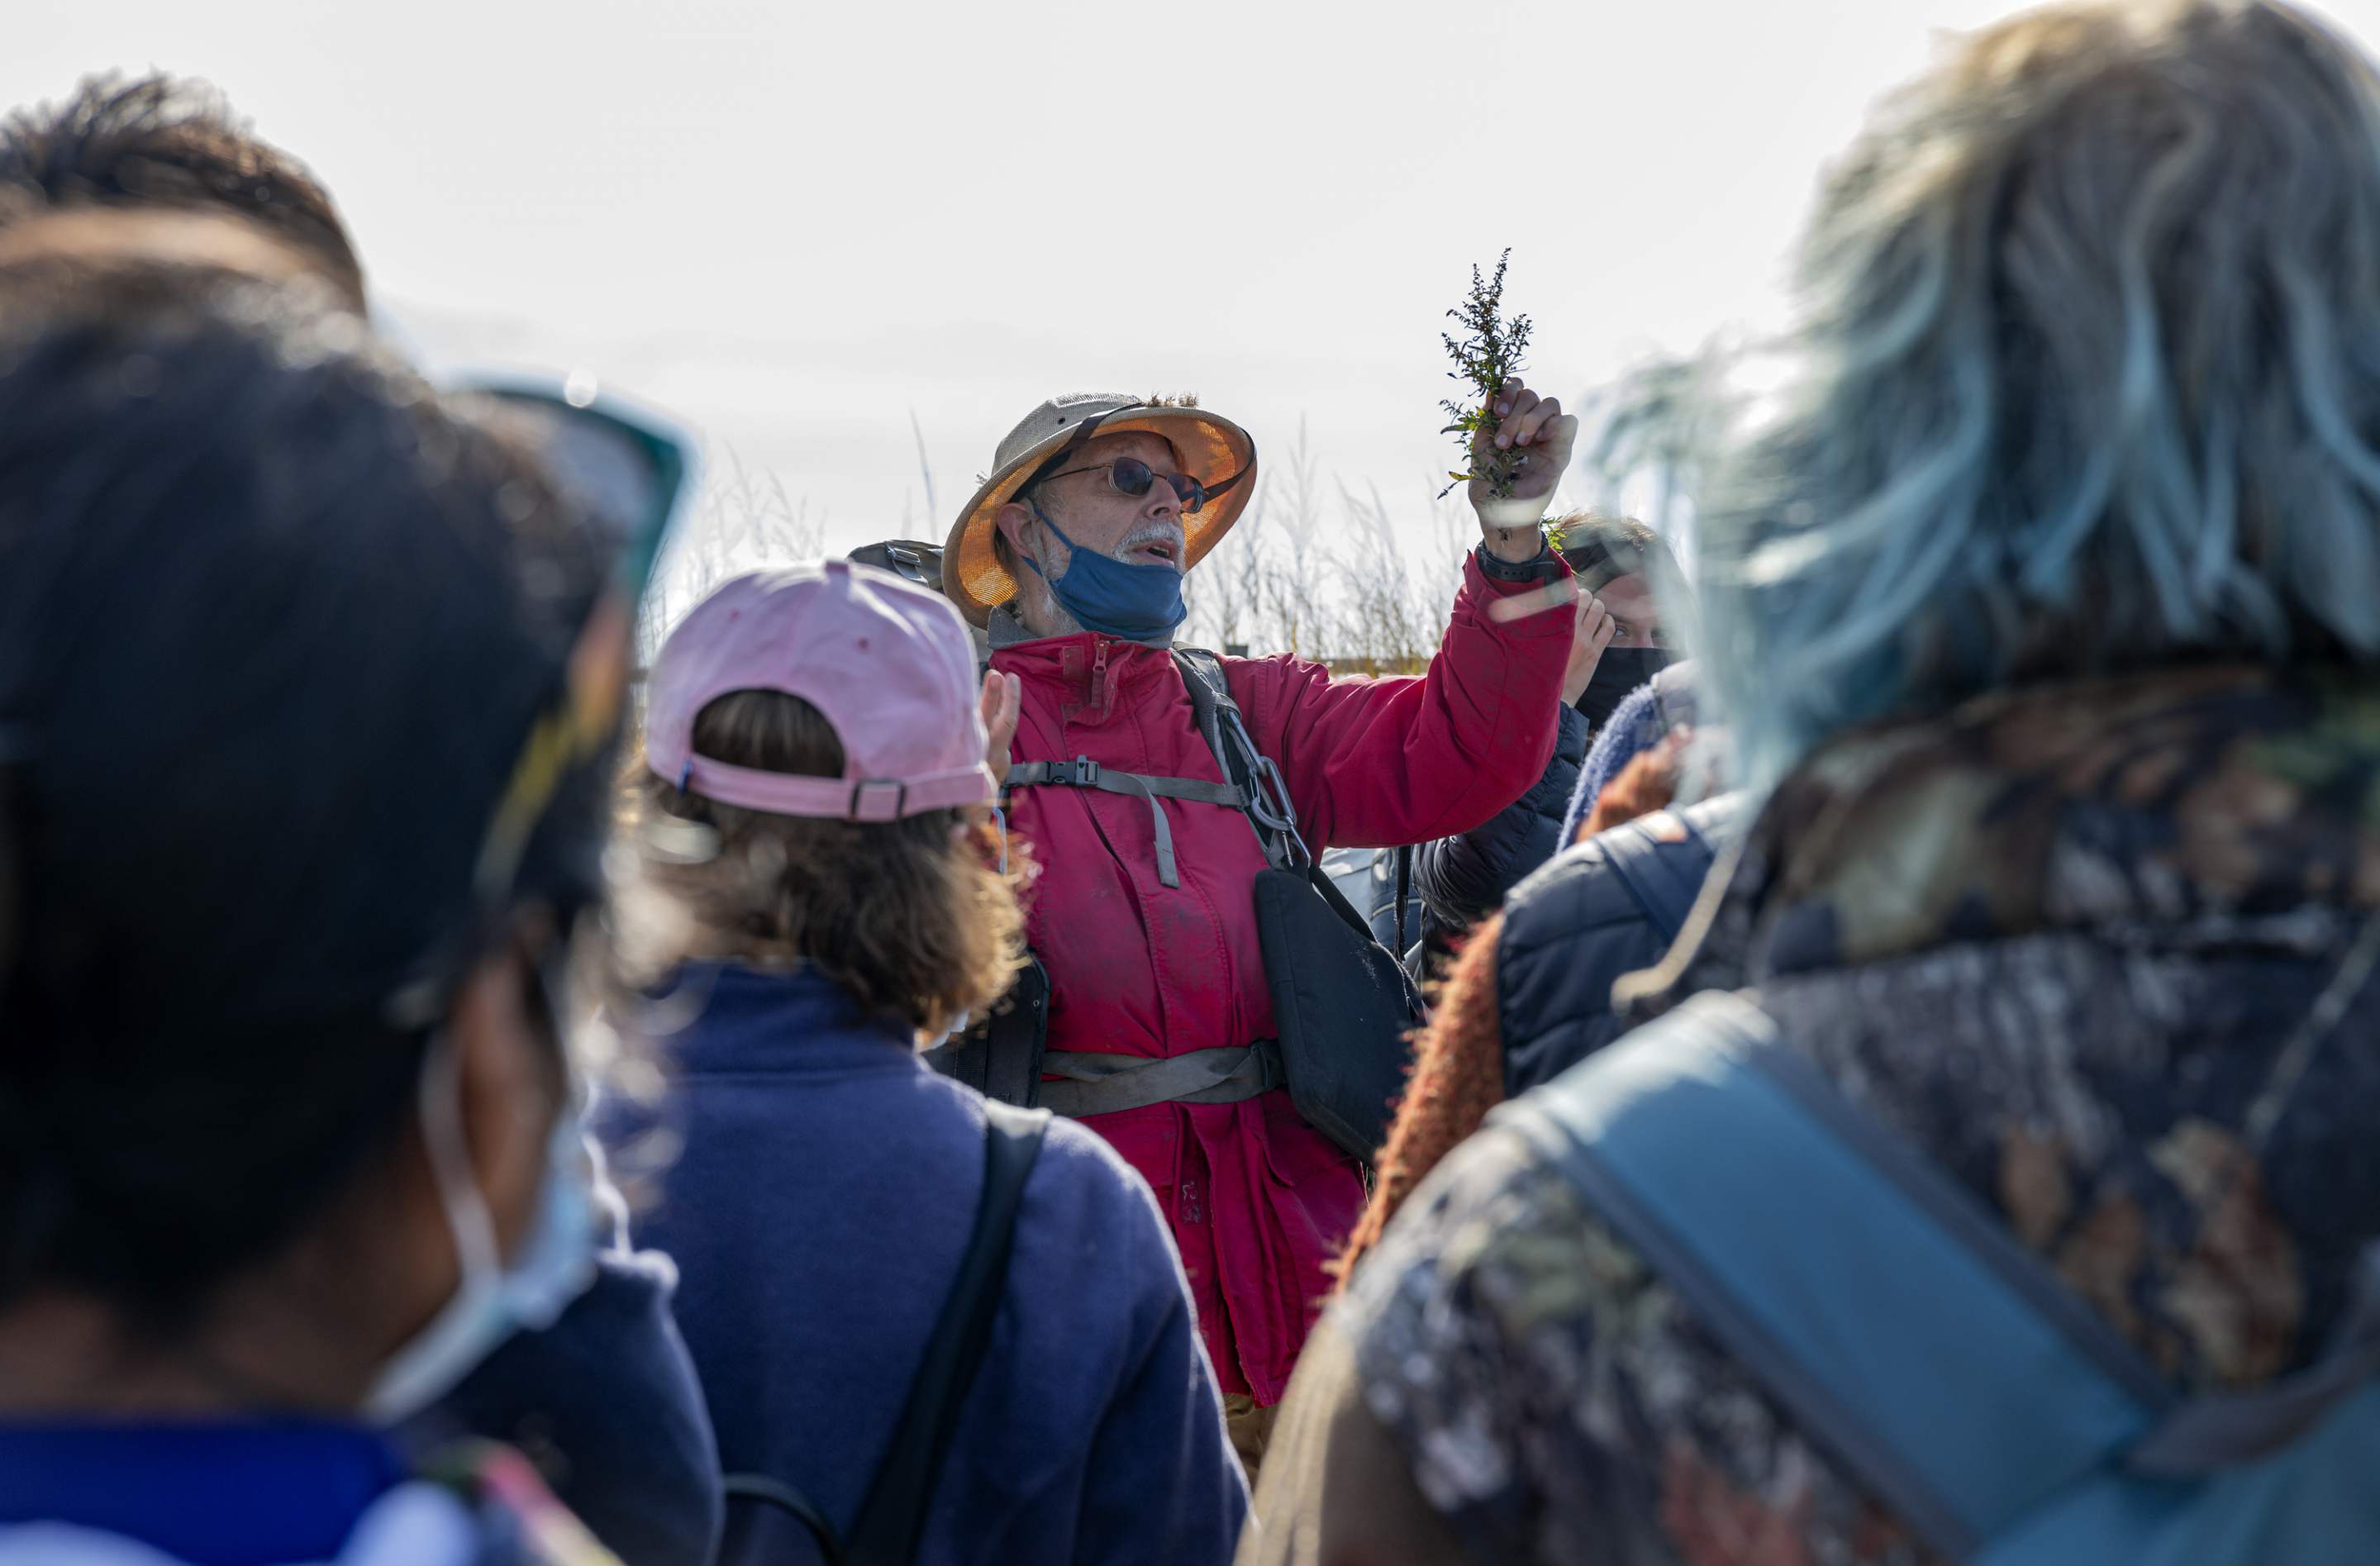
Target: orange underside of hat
(976,581)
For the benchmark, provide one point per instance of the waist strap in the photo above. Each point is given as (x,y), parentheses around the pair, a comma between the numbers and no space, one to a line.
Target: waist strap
(1083,772)
(1101,1083)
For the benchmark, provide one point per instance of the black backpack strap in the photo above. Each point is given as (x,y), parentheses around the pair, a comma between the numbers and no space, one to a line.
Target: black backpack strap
(999,1055)
(1664,884)
(1226,730)
(1210,692)
(1404,892)
(893,1518)
(792,1502)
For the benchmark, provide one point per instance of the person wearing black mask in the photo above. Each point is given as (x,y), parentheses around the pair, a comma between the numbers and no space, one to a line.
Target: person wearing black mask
(1619,560)
(1621,563)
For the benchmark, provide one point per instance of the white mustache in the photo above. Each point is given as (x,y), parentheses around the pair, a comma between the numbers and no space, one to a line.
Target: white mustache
(1156,533)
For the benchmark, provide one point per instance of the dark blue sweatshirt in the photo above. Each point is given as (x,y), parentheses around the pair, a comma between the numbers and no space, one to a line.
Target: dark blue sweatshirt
(825,1190)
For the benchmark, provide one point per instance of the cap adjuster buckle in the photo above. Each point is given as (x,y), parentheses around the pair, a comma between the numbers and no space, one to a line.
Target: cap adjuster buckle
(860,802)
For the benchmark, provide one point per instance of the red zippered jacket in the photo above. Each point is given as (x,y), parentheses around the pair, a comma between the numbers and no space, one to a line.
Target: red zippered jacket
(1257,1199)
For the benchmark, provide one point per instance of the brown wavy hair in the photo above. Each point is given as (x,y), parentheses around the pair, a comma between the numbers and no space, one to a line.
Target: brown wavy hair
(1457,1077)
(914,917)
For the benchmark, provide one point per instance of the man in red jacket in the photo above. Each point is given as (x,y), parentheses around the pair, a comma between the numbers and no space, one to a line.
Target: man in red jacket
(1071,556)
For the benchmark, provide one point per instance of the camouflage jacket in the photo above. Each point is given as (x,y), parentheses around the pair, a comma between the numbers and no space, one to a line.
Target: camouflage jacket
(2058,939)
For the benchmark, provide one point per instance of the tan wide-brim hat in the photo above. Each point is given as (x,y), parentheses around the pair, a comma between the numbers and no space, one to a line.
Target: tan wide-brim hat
(1214,451)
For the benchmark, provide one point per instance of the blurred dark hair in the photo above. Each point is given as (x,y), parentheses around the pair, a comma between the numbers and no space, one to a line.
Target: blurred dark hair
(165,141)
(274,624)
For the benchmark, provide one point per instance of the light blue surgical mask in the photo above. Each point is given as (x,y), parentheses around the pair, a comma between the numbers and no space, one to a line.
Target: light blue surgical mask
(1136,602)
(555,1264)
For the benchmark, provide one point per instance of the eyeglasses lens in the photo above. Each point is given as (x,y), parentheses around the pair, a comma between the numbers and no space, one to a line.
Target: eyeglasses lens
(1131,476)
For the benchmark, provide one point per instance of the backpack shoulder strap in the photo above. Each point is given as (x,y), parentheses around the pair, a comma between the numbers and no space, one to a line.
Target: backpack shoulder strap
(1211,693)
(1264,794)
(1664,878)
(893,1518)
(1255,788)
(1902,1326)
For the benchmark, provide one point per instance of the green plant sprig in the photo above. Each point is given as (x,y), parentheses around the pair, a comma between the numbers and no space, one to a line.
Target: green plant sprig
(1488,355)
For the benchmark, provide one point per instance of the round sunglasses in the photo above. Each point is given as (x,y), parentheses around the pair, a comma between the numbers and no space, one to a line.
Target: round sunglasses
(1133,477)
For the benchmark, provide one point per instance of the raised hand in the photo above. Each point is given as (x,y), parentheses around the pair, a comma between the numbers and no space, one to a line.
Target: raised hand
(1002,704)
(1543,435)
(1594,629)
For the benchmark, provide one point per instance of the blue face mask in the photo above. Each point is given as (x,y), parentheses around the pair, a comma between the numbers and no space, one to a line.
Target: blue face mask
(1136,602)
(555,1265)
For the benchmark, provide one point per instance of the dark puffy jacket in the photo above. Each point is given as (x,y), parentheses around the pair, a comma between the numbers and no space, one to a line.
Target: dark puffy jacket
(1609,907)
(1462,879)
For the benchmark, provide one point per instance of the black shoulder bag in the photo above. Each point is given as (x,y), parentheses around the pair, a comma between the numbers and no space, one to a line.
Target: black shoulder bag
(1343,1003)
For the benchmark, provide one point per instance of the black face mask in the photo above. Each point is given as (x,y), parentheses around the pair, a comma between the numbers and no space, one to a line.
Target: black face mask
(1618,674)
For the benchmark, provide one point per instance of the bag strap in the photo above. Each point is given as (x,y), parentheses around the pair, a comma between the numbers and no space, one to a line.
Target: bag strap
(1255,789)
(1098,1084)
(1225,729)
(1210,692)
(1955,1385)
(893,1518)
(793,1503)
(1404,892)
(1658,883)
(1083,772)
(1878,1301)
(999,1054)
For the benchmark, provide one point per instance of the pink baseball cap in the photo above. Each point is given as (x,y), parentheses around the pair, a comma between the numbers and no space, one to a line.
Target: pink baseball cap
(888,665)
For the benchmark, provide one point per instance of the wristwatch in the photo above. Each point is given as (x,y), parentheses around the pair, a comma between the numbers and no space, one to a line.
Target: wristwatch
(1545,566)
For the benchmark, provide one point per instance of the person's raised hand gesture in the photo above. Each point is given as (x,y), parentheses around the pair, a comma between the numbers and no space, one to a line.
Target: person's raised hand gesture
(1539,436)
(1002,704)
(1594,628)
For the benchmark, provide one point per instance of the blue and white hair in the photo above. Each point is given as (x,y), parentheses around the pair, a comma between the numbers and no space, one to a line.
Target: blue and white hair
(2087,377)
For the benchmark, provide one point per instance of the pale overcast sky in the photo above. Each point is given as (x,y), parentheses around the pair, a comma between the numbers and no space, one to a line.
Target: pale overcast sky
(794,223)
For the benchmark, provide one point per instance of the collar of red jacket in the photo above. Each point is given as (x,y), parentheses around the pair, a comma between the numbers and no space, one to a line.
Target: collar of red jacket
(1087,672)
